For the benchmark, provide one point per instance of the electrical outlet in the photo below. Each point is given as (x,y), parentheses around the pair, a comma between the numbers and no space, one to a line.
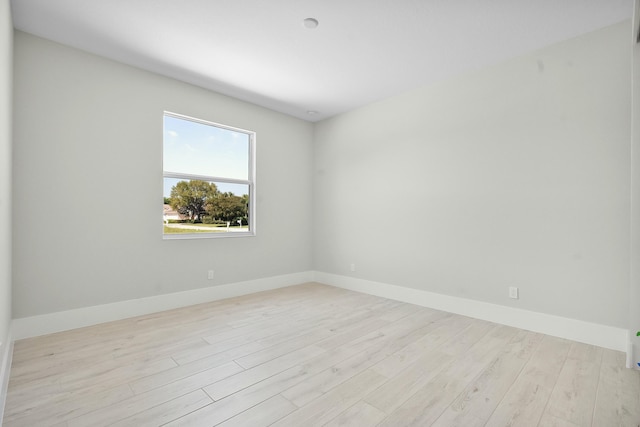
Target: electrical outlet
(353,267)
(210,275)
(513,292)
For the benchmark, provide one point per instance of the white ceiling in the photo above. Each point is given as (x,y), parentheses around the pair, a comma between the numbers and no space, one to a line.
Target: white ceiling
(362,51)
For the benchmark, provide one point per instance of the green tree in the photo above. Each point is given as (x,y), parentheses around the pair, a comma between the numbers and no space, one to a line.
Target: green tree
(227,207)
(191,197)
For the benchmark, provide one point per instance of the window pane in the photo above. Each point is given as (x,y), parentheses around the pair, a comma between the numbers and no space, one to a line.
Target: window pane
(201,149)
(194,206)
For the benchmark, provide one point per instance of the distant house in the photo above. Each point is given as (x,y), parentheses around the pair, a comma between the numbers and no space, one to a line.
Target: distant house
(169,213)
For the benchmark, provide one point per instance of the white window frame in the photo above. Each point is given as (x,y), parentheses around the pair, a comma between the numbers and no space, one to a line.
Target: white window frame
(250,182)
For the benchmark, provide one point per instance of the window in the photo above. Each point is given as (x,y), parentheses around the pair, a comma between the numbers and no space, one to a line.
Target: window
(208,173)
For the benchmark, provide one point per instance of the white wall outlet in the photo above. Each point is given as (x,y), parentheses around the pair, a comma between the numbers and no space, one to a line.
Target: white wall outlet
(513,292)
(210,274)
(353,267)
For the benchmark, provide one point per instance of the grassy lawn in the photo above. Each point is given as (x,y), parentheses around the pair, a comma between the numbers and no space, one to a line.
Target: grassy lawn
(171,230)
(203,228)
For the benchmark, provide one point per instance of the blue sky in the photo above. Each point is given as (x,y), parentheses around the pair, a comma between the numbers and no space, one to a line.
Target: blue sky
(200,149)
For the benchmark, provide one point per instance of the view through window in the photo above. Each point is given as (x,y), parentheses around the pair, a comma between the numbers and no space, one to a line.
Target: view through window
(208,172)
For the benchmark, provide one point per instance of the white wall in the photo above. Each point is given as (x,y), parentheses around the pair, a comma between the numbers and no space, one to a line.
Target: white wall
(88,185)
(6,60)
(634,289)
(516,175)
(6,69)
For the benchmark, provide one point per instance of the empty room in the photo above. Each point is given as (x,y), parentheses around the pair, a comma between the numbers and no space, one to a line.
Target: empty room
(374,213)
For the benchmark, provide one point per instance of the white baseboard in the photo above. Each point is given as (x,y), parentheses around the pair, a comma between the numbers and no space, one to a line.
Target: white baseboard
(563,327)
(572,329)
(6,354)
(28,327)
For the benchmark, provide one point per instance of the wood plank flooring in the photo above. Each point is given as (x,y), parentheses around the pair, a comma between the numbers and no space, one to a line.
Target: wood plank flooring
(314,355)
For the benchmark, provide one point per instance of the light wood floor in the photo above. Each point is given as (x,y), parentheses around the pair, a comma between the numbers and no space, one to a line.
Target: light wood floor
(314,355)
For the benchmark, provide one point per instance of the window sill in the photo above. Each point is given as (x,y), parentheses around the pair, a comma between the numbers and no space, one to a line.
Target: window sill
(218,235)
